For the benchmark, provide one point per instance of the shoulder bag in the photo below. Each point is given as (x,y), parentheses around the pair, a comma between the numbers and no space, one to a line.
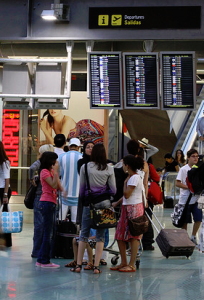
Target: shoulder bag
(155,194)
(139,225)
(30,195)
(178,216)
(102,213)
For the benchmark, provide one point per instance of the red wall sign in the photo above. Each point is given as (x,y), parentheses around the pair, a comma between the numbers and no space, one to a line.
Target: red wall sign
(10,135)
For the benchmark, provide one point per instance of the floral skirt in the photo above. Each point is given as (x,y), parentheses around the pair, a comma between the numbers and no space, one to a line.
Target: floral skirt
(128,211)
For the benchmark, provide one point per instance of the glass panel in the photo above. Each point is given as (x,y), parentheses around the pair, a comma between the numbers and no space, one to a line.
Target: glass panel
(170,189)
(20,139)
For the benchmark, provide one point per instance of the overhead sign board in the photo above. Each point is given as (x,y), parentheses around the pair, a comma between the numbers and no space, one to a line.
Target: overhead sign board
(178,81)
(154,17)
(141,80)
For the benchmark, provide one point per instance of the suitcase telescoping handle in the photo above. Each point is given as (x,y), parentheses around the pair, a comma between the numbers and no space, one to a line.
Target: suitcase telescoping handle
(156,218)
(152,222)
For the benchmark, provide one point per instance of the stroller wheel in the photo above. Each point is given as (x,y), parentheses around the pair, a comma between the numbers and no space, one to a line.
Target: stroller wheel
(114,260)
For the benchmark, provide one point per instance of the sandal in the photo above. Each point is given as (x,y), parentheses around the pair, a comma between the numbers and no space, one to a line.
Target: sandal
(89,266)
(103,262)
(96,270)
(84,263)
(72,264)
(128,268)
(76,269)
(118,267)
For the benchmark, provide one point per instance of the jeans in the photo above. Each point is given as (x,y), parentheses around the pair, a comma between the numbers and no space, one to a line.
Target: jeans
(85,227)
(48,210)
(38,227)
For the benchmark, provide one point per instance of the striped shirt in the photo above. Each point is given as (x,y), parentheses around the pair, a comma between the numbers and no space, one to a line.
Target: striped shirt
(69,176)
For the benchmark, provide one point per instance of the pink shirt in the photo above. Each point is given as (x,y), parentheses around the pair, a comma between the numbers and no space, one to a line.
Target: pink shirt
(48,192)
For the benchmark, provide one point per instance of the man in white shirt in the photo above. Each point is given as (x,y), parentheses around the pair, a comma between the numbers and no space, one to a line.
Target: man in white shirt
(193,209)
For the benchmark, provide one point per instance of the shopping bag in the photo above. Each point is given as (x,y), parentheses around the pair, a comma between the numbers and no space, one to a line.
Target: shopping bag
(11,222)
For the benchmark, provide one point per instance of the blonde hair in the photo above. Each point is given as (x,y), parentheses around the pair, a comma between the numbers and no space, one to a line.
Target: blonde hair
(45,148)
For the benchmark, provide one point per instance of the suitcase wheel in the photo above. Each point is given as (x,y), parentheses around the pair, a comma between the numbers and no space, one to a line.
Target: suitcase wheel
(137,264)
(167,256)
(114,260)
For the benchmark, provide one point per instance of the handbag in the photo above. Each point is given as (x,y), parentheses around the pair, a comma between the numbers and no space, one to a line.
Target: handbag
(102,213)
(201,202)
(11,222)
(30,195)
(178,216)
(155,195)
(139,225)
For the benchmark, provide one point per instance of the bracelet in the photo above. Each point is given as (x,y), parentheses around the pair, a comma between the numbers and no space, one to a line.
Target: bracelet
(5,196)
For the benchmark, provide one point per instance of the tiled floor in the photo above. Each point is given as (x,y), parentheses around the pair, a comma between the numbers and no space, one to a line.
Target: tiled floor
(157,279)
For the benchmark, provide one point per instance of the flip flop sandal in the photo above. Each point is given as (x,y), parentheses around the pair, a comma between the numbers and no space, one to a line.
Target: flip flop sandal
(132,269)
(116,268)
(103,262)
(72,264)
(96,268)
(89,266)
(76,269)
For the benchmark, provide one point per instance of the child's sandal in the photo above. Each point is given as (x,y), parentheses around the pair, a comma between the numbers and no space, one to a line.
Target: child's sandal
(96,270)
(72,264)
(76,269)
(89,266)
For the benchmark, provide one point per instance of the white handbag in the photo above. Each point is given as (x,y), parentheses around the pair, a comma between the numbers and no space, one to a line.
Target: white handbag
(201,202)
(11,222)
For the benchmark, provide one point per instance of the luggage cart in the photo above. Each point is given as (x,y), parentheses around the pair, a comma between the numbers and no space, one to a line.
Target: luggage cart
(115,258)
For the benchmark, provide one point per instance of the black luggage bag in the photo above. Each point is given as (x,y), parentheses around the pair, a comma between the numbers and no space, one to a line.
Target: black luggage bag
(173,242)
(65,232)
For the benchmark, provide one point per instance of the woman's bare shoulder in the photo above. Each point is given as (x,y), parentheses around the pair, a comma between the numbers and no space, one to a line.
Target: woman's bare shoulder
(68,119)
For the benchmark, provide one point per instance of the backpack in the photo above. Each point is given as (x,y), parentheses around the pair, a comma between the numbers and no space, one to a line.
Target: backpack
(195,179)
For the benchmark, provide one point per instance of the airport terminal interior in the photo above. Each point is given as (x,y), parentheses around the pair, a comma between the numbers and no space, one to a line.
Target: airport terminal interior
(54,65)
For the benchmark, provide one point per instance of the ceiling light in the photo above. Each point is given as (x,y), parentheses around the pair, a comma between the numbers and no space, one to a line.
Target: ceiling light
(58,12)
(48,15)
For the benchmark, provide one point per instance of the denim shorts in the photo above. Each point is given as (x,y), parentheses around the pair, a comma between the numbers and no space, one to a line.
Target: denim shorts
(195,211)
(85,227)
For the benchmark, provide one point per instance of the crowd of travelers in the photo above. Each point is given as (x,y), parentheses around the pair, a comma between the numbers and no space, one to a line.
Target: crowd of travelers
(63,175)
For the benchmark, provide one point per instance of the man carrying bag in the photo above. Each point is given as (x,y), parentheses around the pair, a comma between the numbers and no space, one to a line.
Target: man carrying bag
(181,182)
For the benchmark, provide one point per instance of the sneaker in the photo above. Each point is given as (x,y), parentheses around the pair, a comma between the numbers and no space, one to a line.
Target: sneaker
(50,265)
(194,240)
(38,264)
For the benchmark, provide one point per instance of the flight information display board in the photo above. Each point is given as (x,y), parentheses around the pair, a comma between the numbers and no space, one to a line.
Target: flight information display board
(178,80)
(105,80)
(141,80)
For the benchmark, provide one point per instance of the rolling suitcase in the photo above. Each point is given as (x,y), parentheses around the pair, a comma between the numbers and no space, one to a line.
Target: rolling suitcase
(173,242)
(65,232)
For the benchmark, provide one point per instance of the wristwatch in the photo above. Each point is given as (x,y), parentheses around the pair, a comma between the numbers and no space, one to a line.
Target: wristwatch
(6,194)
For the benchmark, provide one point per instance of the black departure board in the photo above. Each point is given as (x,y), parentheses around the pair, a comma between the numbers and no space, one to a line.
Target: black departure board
(141,81)
(178,80)
(105,83)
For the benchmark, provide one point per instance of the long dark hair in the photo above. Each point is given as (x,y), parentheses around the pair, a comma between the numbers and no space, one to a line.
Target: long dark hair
(3,156)
(98,155)
(50,119)
(182,156)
